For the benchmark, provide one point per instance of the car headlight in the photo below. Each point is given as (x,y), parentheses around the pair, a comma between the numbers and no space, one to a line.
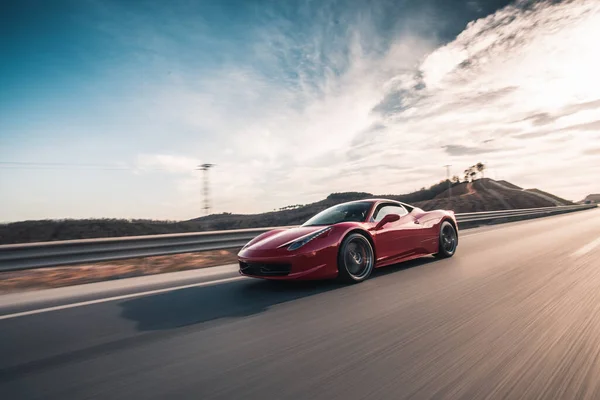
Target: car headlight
(301,242)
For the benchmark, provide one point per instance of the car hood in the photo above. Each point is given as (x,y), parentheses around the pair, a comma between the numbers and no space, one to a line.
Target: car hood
(283,237)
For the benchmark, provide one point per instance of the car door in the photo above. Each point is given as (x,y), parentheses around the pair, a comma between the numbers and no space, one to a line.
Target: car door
(429,230)
(394,240)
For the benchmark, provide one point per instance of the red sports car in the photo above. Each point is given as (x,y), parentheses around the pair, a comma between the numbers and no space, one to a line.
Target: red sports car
(349,240)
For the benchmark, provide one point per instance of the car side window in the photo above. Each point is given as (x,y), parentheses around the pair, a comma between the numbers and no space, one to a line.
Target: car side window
(388,209)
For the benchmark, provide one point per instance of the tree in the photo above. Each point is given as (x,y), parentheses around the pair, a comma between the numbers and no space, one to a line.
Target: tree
(480,168)
(455,179)
(468,175)
(474,170)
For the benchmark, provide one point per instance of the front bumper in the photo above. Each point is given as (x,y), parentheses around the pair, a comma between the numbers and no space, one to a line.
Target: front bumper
(321,264)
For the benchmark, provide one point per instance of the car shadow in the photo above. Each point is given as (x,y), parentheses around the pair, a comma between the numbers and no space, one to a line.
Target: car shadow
(197,305)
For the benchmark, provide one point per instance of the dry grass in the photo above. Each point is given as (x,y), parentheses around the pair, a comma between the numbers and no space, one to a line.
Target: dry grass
(45,278)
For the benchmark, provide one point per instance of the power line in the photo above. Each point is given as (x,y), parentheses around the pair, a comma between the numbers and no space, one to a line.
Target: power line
(52,163)
(71,166)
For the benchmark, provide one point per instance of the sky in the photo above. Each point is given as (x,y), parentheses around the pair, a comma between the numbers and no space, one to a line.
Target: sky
(107,107)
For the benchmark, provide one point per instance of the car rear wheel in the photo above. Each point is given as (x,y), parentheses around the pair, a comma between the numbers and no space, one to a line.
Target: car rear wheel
(448,241)
(355,259)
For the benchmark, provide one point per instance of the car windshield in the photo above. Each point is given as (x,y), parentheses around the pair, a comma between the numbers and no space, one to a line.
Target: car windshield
(348,212)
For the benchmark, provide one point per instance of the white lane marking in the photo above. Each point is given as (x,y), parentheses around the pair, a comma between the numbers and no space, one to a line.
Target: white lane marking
(587,248)
(121,297)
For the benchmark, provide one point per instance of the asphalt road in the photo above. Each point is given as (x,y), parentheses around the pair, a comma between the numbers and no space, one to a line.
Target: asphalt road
(515,314)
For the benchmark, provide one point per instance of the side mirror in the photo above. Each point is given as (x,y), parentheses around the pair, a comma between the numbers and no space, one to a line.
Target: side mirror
(386,220)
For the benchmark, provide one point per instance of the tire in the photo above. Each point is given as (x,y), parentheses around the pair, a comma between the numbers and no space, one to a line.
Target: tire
(448,241)
(356,259)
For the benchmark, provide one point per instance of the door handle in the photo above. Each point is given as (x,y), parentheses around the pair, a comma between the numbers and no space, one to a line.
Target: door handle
(416,221)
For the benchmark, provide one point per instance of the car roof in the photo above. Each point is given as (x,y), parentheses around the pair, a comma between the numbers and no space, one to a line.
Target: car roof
(378,200)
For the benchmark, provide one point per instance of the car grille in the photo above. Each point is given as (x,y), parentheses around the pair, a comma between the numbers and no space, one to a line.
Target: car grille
(264,269)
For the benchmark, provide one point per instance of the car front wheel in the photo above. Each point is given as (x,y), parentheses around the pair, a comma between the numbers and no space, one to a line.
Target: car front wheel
(355,259)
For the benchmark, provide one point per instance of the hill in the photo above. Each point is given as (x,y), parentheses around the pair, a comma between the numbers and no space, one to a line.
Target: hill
(488,195)
(480,195)
(591,198)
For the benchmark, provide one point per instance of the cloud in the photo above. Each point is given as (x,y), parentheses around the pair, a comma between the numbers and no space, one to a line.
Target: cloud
(588,105)
(305,101)
(592,152)
(517,79)
(276,139)
(593,126)
(541,119)
(531,135)
(459,150)
(545,118)
(588,126)
(521,77)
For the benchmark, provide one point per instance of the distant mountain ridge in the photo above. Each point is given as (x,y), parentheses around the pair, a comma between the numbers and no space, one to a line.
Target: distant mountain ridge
(480,195)
(592,198)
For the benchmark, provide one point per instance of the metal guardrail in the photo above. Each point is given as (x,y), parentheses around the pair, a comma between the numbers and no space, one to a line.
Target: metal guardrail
(541,211)
(70,252)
